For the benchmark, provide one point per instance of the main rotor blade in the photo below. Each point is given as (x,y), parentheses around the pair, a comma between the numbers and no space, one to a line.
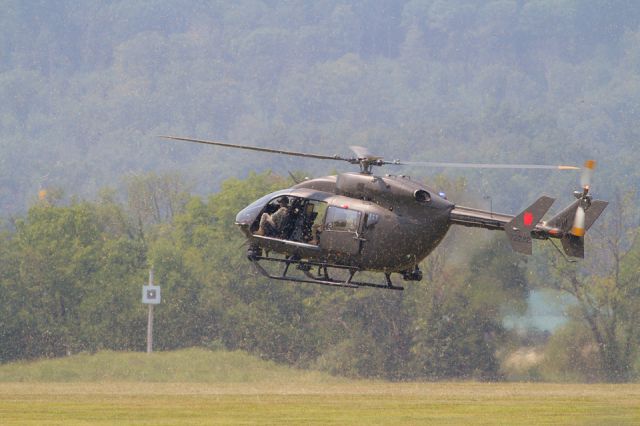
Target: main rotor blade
(488,165)
(256,148)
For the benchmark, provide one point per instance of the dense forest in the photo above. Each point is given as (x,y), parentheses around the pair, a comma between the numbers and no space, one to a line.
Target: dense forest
(91,197)
(86,88)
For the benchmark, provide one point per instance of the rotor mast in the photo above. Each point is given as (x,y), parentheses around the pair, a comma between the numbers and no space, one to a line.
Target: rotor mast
(366,166)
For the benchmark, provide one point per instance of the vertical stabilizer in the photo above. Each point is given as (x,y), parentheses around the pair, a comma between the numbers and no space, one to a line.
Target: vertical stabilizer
(573,245)
(593,212)
(520,227)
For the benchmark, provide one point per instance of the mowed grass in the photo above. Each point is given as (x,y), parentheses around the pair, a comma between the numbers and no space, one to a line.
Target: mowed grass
(244,393)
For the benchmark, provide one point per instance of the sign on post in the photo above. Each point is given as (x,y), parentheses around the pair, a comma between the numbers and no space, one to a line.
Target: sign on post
(151,294)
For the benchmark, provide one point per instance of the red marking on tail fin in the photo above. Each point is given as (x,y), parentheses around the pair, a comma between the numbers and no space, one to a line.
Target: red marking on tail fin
(528,219)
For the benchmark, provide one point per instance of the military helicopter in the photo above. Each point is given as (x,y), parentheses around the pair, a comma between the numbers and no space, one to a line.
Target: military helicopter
(357,221)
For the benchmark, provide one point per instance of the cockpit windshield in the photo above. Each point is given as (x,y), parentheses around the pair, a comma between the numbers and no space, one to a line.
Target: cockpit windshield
(249,214)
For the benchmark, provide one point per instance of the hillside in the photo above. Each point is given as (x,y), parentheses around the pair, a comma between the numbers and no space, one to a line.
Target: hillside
(182,366)
(87,88)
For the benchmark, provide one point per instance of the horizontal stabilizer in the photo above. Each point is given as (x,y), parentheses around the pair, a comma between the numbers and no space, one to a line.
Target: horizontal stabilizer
(520,227)
(574,245)
(564,219)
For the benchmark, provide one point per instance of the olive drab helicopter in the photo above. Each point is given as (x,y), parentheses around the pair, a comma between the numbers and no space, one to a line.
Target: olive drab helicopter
(356,222)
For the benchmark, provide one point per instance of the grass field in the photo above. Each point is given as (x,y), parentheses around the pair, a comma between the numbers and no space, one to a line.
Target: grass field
(271,394)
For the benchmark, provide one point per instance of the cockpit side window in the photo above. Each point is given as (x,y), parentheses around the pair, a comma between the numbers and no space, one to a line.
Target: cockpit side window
(339,219)
(249,214)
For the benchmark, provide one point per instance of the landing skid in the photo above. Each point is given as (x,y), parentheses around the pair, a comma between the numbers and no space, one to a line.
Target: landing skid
(322,276)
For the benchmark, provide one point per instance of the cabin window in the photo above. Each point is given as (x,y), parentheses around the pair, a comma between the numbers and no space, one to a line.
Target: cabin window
(309,222)
(339,219)
(316,211)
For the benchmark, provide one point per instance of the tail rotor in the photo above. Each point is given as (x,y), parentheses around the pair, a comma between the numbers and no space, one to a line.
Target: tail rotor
(584,199)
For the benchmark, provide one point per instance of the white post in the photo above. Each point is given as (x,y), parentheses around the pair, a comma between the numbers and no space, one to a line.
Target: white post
(150,319)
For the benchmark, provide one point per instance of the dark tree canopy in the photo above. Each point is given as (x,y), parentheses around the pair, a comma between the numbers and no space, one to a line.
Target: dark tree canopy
(88,87)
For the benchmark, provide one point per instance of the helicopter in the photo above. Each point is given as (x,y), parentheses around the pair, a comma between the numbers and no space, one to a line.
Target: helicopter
(332,229)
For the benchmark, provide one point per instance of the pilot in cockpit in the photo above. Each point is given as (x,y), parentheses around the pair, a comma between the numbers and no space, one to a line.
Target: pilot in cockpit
(271,225)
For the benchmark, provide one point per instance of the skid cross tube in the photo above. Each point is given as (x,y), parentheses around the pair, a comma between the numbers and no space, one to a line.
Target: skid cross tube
(323,279)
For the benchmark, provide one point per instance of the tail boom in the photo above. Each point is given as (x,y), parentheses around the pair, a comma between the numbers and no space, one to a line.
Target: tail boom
(526,226)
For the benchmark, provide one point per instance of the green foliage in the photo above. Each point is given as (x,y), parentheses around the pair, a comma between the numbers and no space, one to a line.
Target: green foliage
(67,273)
(71,277)
(571,356)
(70,280)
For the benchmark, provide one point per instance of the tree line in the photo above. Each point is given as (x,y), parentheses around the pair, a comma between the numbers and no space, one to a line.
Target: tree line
(71,273)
